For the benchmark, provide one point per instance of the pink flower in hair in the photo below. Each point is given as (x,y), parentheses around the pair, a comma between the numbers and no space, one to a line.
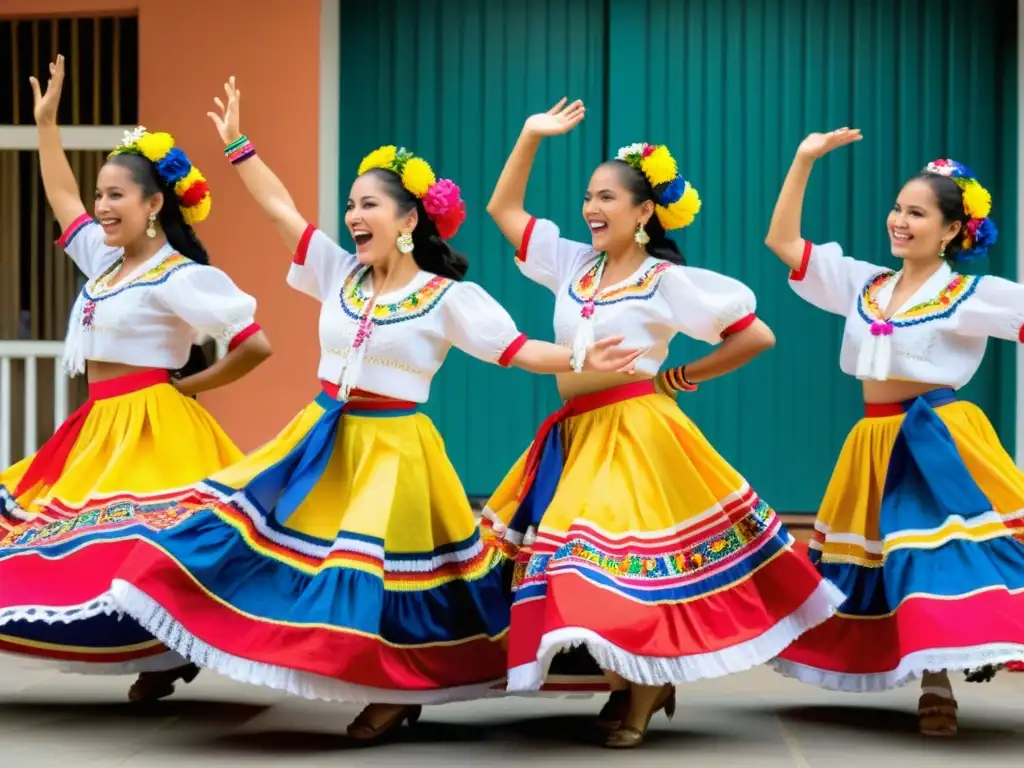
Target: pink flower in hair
(441,197)
(973,225)
(443,203)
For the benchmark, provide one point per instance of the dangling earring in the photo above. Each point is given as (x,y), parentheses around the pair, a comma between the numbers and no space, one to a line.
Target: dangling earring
(151,229)
(641,236)
(405,242)
(942,251)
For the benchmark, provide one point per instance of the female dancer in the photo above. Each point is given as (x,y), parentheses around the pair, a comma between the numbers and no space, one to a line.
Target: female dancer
(342,560)
(917,524)
(631,535)
(116,467)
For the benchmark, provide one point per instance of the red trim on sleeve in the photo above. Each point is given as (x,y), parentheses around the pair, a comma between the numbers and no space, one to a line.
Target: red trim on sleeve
(512,350)
(73,229)
(799,274)
(524,247)
(303,246)
(739,325)
(250,330)
(1020,334)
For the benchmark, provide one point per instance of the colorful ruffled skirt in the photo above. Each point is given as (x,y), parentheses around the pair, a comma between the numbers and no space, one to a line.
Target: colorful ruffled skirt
(113,472)
(631,538)
(917,528)
(340,561)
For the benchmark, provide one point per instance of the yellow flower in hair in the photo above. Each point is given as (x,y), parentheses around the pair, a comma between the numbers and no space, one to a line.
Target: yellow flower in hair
(417,176)
(379,158)
(154,146)
(659,167)
(977,200)
(197,212)
(682,212)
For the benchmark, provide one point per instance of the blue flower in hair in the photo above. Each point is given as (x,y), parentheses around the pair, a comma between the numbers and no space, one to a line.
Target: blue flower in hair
(986,236)
(173,166)
(673,192)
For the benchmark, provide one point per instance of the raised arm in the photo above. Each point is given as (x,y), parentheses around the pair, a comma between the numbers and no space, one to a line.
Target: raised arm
(262,183)
(508,201)
(784,236)
(58,179)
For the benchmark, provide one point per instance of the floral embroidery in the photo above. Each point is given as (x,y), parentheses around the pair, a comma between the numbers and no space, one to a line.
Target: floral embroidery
(416,304)
(959,288)
(100,290)
(642,288)
(156,516)
(690,560)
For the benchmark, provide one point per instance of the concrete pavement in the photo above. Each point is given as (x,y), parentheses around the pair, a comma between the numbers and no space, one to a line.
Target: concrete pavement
(753,719)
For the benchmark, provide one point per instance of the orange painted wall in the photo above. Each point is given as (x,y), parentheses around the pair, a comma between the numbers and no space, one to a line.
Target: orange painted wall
(188,48)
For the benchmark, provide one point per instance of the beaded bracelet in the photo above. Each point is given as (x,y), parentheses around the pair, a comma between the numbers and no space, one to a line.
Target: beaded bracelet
(239,150)
(675,378)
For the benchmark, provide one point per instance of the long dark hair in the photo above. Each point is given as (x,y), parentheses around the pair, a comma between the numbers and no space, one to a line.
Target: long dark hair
(431,253)
(951,205)
(179,233)
(660,245)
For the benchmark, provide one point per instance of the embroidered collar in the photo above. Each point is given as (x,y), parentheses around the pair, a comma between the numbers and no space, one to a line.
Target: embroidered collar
(953,290)
(167,262)
(640,285)
(419,302)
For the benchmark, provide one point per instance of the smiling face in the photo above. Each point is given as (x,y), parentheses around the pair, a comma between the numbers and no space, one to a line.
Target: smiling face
(375,218)
(122,205)
(923,221)
(614,205)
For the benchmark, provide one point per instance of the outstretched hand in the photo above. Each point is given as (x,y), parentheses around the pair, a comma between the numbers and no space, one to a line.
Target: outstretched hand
(227,121)
(606,356)
(557,120)
(818,144)
(45,105)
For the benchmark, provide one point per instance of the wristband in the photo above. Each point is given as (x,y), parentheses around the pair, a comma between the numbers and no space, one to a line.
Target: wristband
(239,150)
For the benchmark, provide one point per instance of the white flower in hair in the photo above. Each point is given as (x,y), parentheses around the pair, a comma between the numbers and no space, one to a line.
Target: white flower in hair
(132,137)
(632,149)
(945,169)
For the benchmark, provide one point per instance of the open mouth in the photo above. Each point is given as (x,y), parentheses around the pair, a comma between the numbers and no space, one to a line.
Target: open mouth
(362,237)
(597,226)
(902,237)
(108,224)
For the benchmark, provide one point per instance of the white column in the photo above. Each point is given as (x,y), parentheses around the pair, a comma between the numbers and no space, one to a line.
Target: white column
(329,118)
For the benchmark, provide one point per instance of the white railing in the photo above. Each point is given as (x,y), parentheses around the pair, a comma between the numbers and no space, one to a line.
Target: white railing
(30,352)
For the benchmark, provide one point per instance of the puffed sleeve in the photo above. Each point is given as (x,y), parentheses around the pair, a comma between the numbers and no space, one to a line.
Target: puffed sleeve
(996,309)
(208,300)
(479,326)
(319,264)
(706,305)
(548,258)
(828,279)
(83,242)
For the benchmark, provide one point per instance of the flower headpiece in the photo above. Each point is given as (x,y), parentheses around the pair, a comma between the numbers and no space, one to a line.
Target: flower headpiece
(676,202)
(442,198)
(980,233)
(173,167)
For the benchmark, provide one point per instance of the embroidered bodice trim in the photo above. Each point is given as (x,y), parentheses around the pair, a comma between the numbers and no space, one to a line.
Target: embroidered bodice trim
(948,300)
(418,303)
(642,287)
(100,290)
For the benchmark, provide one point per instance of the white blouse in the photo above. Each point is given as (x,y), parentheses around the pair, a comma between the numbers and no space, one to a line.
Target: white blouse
(937,336)
(401,345)
(648,308)
(152,317)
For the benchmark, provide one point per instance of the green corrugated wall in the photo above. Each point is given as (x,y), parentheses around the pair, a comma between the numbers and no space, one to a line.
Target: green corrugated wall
(731,86)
